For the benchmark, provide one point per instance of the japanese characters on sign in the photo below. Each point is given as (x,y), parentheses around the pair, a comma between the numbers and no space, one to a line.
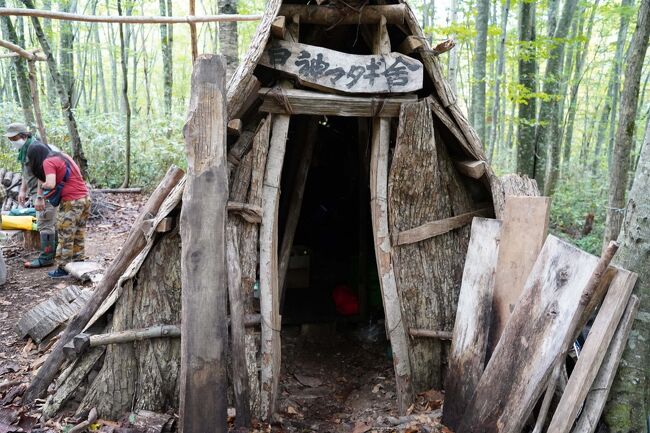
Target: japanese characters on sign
(322,67)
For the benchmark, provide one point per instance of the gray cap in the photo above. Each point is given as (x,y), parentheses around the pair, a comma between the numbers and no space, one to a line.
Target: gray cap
(14,129)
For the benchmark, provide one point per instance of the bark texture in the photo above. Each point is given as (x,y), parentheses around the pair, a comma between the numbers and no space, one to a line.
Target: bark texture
(620,165)
(423,187)
(527,108)
(477,114)
(629,400)
(228,37)
(143,374)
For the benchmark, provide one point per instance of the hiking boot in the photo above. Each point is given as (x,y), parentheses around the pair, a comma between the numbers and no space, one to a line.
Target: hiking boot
(58,273)
(48,250)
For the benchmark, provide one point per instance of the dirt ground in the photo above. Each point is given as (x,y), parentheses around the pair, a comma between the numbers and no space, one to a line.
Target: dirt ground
(334,377)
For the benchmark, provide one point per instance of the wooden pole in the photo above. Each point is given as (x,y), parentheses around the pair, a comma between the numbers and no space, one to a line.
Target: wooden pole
(396,327)
(345,15)
(204,336)
(33,87)
(295,202)
(133,245)
(195,47)
(21,51)
(66,16)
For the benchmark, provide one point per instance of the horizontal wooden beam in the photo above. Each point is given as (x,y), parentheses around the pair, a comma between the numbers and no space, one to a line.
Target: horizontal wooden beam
(250,212)
(473,169)
(436,228)
(410,44)
(427,333)
(328,16)
(66,16)
(291,101)
(20,51)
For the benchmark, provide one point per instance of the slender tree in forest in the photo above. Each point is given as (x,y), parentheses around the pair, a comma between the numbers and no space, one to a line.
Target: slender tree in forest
(618,170)
(528,86)
(608,115)
(64,97)
(581,56)
(629,400)
(66,50)
(548,126)
(452,71)
(501,62)
(125,99)
(477,111)
(166,40)
(228,37)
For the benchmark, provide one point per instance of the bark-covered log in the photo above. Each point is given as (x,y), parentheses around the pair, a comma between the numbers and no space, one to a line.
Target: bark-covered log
(424,186)
(143,374)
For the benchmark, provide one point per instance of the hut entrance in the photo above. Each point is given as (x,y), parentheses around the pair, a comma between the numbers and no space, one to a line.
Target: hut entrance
(331,274)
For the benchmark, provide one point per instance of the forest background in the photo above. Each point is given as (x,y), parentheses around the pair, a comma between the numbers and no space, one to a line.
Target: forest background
(532,74)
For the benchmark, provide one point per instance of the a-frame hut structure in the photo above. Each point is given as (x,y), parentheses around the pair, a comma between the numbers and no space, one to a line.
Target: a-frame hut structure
(339,108)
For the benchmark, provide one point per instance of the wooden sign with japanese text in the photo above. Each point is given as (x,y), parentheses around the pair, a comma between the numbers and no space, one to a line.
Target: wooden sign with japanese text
(324,68)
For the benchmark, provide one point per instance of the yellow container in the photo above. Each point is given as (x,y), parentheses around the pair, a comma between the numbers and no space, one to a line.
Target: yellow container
(10,222)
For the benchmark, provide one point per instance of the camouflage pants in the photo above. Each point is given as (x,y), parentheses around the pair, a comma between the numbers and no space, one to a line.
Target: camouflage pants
(71,228)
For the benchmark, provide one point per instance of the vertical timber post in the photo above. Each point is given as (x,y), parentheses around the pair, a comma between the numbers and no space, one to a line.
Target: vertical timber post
(379,209)
(203,401)
(269,284)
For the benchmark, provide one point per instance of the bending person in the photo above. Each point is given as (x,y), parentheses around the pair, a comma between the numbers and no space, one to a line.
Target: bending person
(21,139)
(62,185)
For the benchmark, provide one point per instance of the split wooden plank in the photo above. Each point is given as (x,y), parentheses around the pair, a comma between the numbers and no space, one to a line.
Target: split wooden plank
(48,315)
(317,103)
(397,332)
(203,381)
(597,396)
(269,284)
(473,169)
(133,245)
(593,352)
(239,376)
(525,226)
(443,116)
(339,15)
(295,202)
(532,340)
(235,127)
(436,228)
(410,44)
(329,70)
(278,27)
(470,337)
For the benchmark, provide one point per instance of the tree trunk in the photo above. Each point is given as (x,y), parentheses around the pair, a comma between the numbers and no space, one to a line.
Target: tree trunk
(228,36)
(25,99)
(629,399)
(452,72)
(608,117)
(66,51)
(143,374)
(64,97)
(496,109)
(548,128)
(125,100)
(527,73)
(168,62)
(620,165)
(424,187)
(477,112)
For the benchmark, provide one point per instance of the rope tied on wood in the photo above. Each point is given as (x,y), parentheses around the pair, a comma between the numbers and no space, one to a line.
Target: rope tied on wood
(281,98)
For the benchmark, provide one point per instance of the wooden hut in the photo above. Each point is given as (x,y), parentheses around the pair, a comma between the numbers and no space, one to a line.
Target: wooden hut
(340,108)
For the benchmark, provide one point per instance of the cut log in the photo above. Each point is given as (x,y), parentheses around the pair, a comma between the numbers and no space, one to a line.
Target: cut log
(239,376)
(511,185)
(316,103)
(45,317)
(597,395)
(473,169)
(249,212)
(428,333)
(533,340)
(295,202)
(269,284)
(593,352)
(133,245)
(84,271)
(472,325)
(330,70)
(67,389)
(203,267)
(410,44)
(152,422)
(165,225)
(436,228)
(340,15)
(278,28)
(234,127)
(396,327)
(525,225)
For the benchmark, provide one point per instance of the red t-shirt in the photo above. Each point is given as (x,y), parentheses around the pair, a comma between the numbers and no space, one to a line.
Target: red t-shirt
(75,187)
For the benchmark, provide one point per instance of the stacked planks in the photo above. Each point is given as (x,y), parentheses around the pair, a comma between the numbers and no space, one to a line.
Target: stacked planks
(524,299)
